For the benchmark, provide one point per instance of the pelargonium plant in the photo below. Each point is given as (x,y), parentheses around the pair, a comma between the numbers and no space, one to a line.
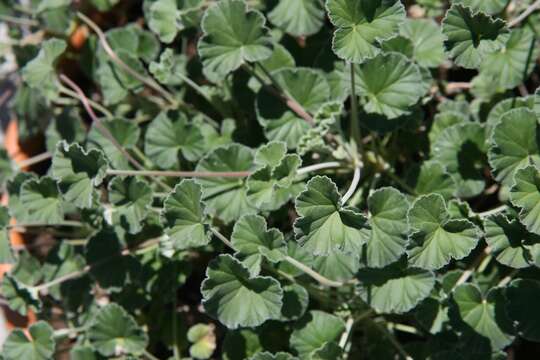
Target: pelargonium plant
(272,179)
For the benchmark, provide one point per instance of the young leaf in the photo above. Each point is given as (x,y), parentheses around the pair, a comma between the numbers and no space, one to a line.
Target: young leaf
(509,240)
(387,234)
(485,315)
(437,238)
(467,171)
(126,134)
(170,64)
(314,331)
(40,73)
(38,344)
(18,296)
(361,24)
(521,295)
(236,299)
(395,288)
(163,19)
(470,37)
(233,35)
(169,134)
(325,225)
(307,87)
(78,173)
(514,144)
(504,106)
(525,194)
(41,199)
(268,356)
(253,240)
(115,332)
(226,197)
(184,218)
(389,84)
(298,17)
(204,341)
(131,198)
(337,266)
(491,7)
(443,121)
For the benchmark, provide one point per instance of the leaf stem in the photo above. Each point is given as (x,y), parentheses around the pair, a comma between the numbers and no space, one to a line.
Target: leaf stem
(210,174)
(93,104)
(354,185)
(18,21)
(494,211)
(470,270)
(275,90)
(63,223)
(525,14)
(315,275)
(99,125)
(34,160)
(222,237)
(116,59)
(355,126)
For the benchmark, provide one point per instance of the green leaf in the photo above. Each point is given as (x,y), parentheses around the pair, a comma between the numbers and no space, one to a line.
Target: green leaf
(131,198)
(41,200)
(307,87)
(226,197)
(522,295)
(6,253)
(437,238)
(509,241)
(514,144)
(395,288)
(470,37)
(295,302)
(361,24)
(484,314)
(298,17)
(115,332)
(432,177)
(389,84)
(37,345)
(488,6)
(184,218)
(18,296)
(40,73)
(233,35)
(512,64)
(61,260)
(337,266)
(325,225)
(78,173)
(6,167)
(387,234)
(66,126)
(268,356)
(504,106)
(13,186)
(253,240)
(442,121)
(314,331)
(126,134)
(204,341)
(162,19)
(427,40)
(467,171)
(168,67)
(236,299)
(326,117)
(271,186)
(169,134)
(525,194)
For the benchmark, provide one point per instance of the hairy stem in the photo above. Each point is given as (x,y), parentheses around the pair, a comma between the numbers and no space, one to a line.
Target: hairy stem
(63,223)
(275,90)
(494,211)
(93,104)
(18,21)
(525,14)
(104,130)
(354,185)
(116,59)
(355,126)
(34,160)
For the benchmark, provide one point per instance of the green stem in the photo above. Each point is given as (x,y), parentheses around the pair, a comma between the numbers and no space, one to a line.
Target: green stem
(92,103)
(34,160)
(18,21)
(142,157)
(116,59)
(355,126)
(354,185)
(198,174)
(492,211)
(525,14)
(62,223)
